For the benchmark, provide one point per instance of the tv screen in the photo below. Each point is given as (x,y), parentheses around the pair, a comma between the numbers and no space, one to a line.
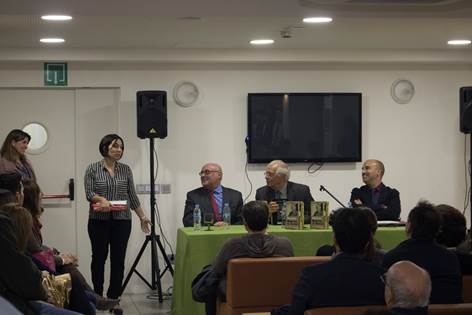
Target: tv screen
(304,127)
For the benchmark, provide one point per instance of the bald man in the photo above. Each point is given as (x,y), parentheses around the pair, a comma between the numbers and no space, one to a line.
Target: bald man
(212,197)
(279,187)
(385,201)
(407,288)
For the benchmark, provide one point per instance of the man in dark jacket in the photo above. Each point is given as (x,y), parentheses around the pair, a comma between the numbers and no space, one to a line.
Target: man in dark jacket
(346,280)
(212,197)
(279,188)
(421,248)
(385,201)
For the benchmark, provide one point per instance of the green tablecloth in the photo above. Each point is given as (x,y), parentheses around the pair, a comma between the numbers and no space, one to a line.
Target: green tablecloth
(196,249)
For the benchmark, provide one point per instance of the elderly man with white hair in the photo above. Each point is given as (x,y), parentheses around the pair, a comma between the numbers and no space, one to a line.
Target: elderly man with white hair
(279,188)
(407,288)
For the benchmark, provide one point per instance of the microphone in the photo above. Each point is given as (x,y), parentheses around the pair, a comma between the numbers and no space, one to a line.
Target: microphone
(322,188)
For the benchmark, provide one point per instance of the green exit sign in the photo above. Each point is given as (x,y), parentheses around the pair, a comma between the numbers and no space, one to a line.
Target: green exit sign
(55,74)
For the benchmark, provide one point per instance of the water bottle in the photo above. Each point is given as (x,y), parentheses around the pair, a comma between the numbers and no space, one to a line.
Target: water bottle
(197,217)
(227,215)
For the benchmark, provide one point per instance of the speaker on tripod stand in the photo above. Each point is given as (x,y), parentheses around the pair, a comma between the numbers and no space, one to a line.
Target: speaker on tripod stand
(152,123)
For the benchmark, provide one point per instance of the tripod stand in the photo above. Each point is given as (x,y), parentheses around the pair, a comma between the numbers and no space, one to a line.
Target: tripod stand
(154,241)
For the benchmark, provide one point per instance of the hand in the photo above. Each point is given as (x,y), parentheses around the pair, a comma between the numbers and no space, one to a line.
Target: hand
(358,202)
(68,258)
(219,223)
(273,207)
(145,224)
(104,205)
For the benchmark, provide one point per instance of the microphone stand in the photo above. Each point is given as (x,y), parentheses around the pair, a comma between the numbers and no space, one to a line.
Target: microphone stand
(322,188)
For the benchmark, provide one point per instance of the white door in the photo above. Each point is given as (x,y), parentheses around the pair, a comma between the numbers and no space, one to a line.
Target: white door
(75,120)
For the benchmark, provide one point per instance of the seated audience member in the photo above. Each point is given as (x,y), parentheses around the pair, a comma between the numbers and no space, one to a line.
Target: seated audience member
(12,183)
(20,280)
(6,196)
(82,293)
(421,248)
(383,200)
(407,289)
(374,253)
(346,280)
(212,197)
(256,244)
(279,188)
(453,233)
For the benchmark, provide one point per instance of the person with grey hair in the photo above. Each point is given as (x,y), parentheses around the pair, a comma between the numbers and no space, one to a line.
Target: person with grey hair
(279,188)
(407,288)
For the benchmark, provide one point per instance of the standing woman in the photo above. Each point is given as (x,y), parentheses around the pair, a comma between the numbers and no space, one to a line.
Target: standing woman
(106,181)
(13,158)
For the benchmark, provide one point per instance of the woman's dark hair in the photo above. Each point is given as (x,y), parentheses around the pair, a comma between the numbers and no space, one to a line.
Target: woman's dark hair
(352,230)
(425,221)
(31,193)
(106,141)
(453,228)
(8,151)
(22,223)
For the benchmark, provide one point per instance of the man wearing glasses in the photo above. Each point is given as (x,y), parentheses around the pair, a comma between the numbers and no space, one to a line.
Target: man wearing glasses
(212,197)
(279,189)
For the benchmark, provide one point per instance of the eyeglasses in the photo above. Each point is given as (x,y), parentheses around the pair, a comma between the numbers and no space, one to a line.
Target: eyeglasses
(269,174)
(207,172)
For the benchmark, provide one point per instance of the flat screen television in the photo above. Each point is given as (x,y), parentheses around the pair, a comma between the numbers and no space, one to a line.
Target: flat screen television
(304,127)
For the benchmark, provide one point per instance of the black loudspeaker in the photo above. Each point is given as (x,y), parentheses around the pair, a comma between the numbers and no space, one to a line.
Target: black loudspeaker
(152,114)
(465,103)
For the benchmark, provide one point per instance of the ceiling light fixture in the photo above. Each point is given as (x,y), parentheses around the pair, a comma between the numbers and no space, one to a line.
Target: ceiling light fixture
(459,42)
(317,19)
(52,40)
(261,41)
(56,17)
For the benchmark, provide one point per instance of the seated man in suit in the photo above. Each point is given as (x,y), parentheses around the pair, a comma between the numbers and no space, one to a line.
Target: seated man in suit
(407,289)
(385,201)
(212,197)
(423,225)
(279,187)
(347,279)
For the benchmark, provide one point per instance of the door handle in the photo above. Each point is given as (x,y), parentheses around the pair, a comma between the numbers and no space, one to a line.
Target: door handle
(62,196)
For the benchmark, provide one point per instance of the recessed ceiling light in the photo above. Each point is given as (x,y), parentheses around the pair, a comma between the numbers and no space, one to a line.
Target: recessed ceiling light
(56,17)
(459,42)
(317,19)
(52,40)
(261,41)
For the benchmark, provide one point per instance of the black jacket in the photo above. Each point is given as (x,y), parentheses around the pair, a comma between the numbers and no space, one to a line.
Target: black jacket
(295,192)
(344,281)
(388,205)
(20,280)
(441,264)
(201,196)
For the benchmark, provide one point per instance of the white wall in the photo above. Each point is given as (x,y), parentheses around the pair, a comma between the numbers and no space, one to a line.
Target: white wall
(419,143)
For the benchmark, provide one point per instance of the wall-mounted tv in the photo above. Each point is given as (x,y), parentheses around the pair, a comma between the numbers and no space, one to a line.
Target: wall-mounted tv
(304,127)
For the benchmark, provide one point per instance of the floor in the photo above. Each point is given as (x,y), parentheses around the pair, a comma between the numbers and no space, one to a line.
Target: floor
(141,304)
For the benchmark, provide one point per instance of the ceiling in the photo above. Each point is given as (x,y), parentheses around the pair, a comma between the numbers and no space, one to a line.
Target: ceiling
(230,24)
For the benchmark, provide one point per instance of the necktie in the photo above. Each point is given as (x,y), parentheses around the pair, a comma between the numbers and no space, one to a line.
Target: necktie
(214,204)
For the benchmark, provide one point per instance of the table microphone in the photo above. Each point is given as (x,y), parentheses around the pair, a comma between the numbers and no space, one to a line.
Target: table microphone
(322,188)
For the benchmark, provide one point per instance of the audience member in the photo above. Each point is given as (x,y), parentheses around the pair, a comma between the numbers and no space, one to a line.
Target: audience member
(346,280)
(12,183)
(256,244)
(421,248)
(383,200)
(12,155)
(407,289)
(212,197)
(374,252)
(20,280)
(453,233)
(279,188)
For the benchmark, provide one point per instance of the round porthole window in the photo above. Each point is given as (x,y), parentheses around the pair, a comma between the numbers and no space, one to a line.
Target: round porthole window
(39,137)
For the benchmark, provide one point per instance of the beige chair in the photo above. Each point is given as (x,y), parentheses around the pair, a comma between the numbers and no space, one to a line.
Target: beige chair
(261,284)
